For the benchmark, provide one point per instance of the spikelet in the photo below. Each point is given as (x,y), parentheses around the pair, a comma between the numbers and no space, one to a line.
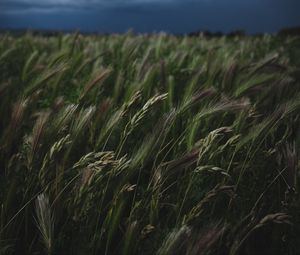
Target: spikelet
(137,118)
(197,210)
(83,119)
(37,135)
(17,117)
(278,218)
(99,79)
(45,77)
(45,221)
(95,160)
(51,155)
(176,242)
(63,118)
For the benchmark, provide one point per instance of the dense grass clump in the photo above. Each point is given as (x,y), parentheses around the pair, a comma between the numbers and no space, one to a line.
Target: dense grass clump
(157,144)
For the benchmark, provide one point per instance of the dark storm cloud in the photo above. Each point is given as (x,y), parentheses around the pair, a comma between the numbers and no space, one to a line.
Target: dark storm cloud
(8,5)
(179,16)
(132,5)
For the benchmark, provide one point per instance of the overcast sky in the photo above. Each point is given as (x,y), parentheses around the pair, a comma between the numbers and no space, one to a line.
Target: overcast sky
(177,16)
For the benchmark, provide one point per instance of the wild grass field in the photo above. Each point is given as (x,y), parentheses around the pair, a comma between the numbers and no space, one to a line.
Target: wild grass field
(139,144)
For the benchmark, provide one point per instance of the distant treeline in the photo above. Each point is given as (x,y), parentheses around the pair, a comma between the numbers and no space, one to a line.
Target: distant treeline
(208,33)
(289,31)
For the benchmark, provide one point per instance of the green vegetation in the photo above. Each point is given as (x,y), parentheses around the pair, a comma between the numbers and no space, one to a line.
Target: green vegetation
(156,144)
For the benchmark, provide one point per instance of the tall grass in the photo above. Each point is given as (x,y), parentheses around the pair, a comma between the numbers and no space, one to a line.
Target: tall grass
(156,144)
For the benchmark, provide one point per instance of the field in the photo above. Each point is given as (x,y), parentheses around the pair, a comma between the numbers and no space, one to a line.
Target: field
(149,144)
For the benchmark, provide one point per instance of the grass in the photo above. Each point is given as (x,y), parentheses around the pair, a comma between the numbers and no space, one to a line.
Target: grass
(156,144)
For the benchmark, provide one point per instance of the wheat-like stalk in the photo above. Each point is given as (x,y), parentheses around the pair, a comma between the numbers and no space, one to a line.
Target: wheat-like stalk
(45,221)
